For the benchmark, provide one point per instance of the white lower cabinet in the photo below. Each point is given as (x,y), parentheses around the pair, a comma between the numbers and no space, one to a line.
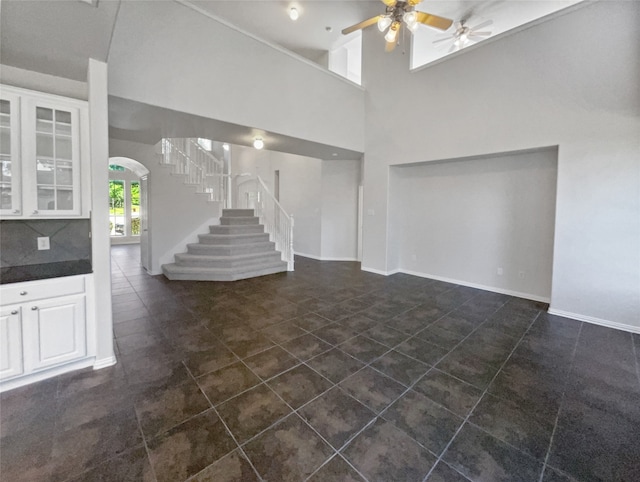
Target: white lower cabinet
(43,330)
(11,361)
(57,331)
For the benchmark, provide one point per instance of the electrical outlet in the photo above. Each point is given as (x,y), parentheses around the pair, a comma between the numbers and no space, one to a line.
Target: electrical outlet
(522,274)
(500,272)
(43,243)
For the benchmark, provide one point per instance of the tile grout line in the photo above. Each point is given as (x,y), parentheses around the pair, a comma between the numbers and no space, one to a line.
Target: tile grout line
(562,400)
(238,446)
(485,391)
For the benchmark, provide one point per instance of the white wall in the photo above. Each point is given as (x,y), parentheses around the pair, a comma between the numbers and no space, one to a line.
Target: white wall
(544,86)
(300,190)
(340,181)
(176,213)
(462,220)
(166,54)
(28,79)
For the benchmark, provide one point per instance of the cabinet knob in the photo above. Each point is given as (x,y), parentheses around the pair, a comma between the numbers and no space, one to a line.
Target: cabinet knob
(16,211)
(22,293)
(35,211)
(14,312)
(34,308)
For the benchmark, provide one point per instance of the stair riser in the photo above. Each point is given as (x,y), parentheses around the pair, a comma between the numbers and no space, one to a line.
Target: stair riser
(239,221)
(173,272)
(237,212)
(234,250)
(221,240)
(182,260)
(250,229)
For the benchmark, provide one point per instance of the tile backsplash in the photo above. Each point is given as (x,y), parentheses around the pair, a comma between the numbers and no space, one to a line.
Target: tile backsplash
(69,239)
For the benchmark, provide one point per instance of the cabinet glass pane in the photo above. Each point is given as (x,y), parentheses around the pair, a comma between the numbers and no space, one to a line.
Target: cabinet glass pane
(65,198)
(5,141)
(5,173)
(42,113)
(46,198)
(63,148)
(64,173)
(45,172)
(5,193)
(63,122)
(44,145)
(5,113)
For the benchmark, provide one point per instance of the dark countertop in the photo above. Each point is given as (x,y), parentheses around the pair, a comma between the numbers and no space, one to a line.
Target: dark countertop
(31,272)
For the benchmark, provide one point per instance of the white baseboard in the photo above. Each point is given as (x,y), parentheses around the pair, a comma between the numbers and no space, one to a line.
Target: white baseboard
(319,258)
(517,294)
(105,362)
(595,321)
(375,271)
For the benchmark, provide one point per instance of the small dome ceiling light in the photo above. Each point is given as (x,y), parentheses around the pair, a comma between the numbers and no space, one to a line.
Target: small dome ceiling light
(294,14)
(258,143)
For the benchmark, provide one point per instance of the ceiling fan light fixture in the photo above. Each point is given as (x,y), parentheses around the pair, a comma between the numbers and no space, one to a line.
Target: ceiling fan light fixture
(383,22)
(392,34)
(225,146)
(294,14)
(258,143)
(410,17)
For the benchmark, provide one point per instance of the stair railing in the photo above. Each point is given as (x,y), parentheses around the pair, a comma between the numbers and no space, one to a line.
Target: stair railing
(276,221)
(200,168)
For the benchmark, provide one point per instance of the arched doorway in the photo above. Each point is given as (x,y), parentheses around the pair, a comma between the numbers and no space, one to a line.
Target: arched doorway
(128,204)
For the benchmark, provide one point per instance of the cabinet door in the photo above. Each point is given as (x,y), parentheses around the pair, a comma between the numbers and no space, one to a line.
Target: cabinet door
(51,157)
(10,196)
(56,331)
(11,363)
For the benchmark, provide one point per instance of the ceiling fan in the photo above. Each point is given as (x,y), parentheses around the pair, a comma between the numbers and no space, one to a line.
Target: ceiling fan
(464,34)
(398,13)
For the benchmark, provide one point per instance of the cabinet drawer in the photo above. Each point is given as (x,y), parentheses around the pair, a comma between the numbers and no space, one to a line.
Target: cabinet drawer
(37,290)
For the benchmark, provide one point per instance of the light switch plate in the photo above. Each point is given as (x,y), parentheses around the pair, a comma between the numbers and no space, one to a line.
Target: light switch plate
(43,243)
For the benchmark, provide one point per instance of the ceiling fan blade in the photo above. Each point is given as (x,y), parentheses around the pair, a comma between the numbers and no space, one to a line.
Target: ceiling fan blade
(440,40)
(481,25)
(434,21)
(390,46)
(363,24)
(453,48)
(389,3)
(479,34)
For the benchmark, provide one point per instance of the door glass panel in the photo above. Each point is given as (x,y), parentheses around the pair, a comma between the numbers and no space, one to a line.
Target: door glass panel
(5,194)
(64,198)
(135,208)
(46,198)
(64,171)
(116,208)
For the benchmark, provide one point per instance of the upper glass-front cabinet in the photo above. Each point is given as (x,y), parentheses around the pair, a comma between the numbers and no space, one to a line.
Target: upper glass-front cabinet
(10,202)
(45,150)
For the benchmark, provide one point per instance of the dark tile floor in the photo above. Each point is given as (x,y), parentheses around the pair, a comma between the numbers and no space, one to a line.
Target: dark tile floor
(332,374)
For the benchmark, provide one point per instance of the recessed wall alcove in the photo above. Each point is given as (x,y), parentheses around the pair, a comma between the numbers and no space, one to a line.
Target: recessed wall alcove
(485,221)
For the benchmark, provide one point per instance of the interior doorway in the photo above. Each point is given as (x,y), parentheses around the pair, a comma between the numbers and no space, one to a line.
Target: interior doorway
(129,205)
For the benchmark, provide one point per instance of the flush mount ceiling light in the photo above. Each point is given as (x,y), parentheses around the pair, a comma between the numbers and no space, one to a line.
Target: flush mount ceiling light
(399,13)
(294,14)
(258,143)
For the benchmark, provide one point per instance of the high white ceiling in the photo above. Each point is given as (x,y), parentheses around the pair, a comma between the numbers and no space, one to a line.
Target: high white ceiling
(309,35)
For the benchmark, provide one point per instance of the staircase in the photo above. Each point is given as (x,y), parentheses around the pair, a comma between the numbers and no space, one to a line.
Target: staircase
(237,248)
